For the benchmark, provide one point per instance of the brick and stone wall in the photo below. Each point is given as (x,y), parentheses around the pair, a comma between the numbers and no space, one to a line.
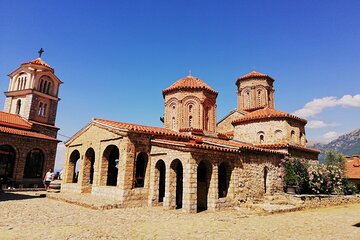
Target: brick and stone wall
(22,146)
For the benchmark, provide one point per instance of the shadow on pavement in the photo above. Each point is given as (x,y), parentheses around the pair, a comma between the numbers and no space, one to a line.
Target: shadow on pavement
(9,196)
(357,225)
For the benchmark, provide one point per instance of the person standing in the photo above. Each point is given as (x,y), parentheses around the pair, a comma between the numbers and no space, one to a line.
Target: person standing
(49,176)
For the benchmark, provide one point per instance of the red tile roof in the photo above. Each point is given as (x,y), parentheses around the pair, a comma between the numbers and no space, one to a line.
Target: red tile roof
(254,74)
(352,168)
(266,113)
(189,82)
(193,144)
(13,120)
(26,133)
(38,61)
(140,128)
(286,145)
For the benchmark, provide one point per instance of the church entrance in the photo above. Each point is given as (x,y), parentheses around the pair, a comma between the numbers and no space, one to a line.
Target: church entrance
(203,183)
(177,169)
(7,163)
(160,168)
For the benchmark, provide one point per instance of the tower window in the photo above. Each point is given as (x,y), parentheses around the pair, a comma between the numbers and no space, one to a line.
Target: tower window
(45,85)
(42,109)
(190,108)
(248,99)
(173,123)
(261,139)
(18,106)
(259,98)
(190,122)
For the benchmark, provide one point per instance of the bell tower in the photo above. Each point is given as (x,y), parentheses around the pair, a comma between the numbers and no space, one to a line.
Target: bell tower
(33,93)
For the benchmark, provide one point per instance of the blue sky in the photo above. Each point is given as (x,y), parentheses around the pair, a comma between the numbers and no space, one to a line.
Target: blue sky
(115,57)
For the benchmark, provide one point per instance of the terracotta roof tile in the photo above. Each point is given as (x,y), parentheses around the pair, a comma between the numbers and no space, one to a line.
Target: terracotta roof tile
(352,168)
(26,133)
(266,113)
(286,145)
(13,120)
(141,128)
(254,74)
(189,82)
(38,61)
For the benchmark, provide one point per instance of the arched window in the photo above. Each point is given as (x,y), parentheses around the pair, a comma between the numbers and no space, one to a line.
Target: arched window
(173,123)
(173,109)
(259,98)
(292,135)
(34,164)
(24,83)
(7,162)
(248,99)
(18,106)
(190,108)
(45,85)
(18,83)
(261,137)
(44,110)
(141,162)
(190,121)
(40,109)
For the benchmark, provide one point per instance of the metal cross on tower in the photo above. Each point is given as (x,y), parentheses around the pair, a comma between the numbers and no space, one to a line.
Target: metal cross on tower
(41,52)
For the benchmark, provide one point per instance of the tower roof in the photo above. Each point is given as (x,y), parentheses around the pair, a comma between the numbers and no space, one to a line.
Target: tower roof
(39,61)
(266,113)
(254,74)
(189,82)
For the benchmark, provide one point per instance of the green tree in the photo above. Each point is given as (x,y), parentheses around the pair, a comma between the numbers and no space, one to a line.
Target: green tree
(335,159)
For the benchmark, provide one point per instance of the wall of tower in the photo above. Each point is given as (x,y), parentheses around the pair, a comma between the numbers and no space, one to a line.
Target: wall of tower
(255,93)
(190,109)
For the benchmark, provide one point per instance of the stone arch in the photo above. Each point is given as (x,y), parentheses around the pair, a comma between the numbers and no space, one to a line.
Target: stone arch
(191,112)
(293,136)
(204,171)
(88,168)
(176,183)
(140,169)
(74,161)
(261,137)
(160,178)
(7,162)
(246,93)
(34,164)
(224,176)
(110,165)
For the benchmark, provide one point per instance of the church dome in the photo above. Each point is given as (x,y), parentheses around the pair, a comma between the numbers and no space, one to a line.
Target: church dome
(189,83)
(253,74)
(266,114)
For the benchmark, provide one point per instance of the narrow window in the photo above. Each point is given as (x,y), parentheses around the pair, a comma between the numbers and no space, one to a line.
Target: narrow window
(248,99)
(40,108)
(18,84)
(41,85)
(18,106)
(44,110)
(173,123)
(259,98)
(48,88)
(190,108)
(190,121)
(261,138)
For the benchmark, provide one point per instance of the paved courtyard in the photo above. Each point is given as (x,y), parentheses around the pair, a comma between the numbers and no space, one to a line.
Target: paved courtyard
(24,216)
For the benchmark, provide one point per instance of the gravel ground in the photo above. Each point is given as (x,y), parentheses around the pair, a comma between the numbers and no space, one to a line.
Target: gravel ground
(24,216)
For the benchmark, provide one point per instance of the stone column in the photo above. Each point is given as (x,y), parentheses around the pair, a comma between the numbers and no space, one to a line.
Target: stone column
(190,188)
(213,194)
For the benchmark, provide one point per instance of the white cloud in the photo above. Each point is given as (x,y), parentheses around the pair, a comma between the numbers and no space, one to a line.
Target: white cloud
(317,105)
(60,156)
(330,135)
(320,124)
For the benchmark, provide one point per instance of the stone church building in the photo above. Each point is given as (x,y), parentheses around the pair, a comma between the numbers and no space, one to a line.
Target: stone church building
(193,162)
(27,125)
